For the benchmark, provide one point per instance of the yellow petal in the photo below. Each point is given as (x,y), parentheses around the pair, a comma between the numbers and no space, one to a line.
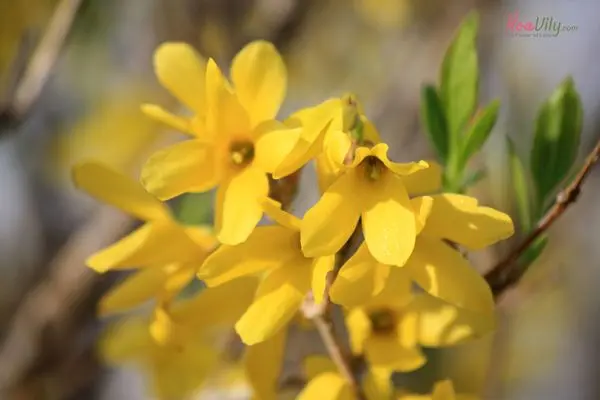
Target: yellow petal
(125,341)
(314,365)
(176,122)
(443,390)
(321,268)
(327,386)
(118,190)
(273,210)
(359,279)
(267,247)
(260,80)
(263,362)
(155,243)
(239,205)
(386,351)
(396,287)
(460,219)
(226,117)
(274,143)
(327,172)
(380,151)
(422,207)
(133,291)
(278,298)
(185,167)
(330,222)
(370,132)
(389,223)
(163,328)
(336,146)
(359,329)
(378,384)
(222,305)
(425,181)
(181,70)
(443,272)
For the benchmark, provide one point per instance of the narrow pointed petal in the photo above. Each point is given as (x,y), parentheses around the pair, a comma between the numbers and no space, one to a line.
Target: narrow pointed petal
(185,167)
(386,351)
(422,207)
(125,341)
(239,205)
(267,247)
(330,222)
(378,384)
(263,363)
(327,386)
(425,181)
(273,210)
(260,78)
(174,121)
(182,71)
(443,272)
(274,143)
(443,390)
(118,190)
(359,329)
(380,151)
(460,219)
(321,268)
(389,223)
(278,299)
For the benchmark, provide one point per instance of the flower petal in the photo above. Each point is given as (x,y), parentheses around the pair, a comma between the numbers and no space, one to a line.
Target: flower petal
(422,207)
(263,363)
(443,272)
(181,70)
(321,268)
(378,384)
(267,247)
(389,223)
(222,305)
(118,190)
(443,390)
(314,365)
(359,329)
(185,167)
(125,341)
(239,205)
(226,117)
(380,151)
(174,121)
(278,298)
(460,219)
(330,222)
(152,244)
(386,351)
(273,210)
(326,386)
(359,279)
(425,181)
(274,143)
(260,78)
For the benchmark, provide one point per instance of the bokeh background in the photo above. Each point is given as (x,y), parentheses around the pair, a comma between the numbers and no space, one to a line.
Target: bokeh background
(98,59)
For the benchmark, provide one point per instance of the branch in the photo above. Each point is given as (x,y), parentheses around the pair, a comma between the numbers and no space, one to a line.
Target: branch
(36,72)
(506,273)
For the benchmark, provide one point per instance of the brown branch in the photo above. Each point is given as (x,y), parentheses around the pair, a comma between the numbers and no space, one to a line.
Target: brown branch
(506,273)
(36,72)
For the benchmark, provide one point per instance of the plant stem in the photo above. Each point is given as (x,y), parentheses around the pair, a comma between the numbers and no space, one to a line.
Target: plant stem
(506,273)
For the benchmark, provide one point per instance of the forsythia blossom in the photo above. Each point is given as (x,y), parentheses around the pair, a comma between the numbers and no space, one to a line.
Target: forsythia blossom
(408,285)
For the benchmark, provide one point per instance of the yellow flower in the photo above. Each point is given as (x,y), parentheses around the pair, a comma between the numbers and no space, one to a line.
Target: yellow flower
(434,265)
(443,390)
(175,347)
(159,241)
(274,250)
(325,382)
(263,363)
(371,189)
(235,140)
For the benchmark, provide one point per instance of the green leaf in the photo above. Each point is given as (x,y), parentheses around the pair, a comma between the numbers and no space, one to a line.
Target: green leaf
(478,132)
(460,78)
(432,114)
(533,252)
(557,137)
(195,208)
(519,180)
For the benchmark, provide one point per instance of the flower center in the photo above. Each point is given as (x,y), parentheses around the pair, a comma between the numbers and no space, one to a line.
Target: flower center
(373,168)
(383,321)
(241,153)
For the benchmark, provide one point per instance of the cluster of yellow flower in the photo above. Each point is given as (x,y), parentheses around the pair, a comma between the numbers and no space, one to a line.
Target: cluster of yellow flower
(259,276)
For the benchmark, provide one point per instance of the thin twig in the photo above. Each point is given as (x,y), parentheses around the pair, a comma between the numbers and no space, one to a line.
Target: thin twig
(38,69)
(506,273)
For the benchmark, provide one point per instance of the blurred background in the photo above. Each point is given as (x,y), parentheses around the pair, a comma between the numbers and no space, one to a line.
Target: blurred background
(72,76)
